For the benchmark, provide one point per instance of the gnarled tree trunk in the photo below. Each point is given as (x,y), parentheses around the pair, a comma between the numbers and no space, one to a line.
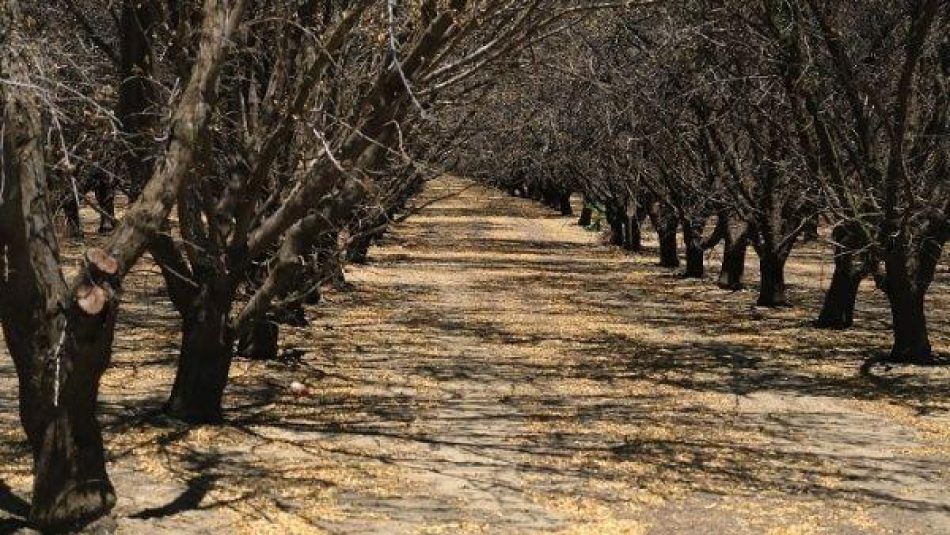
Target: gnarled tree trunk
(853,262)
(735,246)
(664,222)
(587,214)
(207,348)
(633,239)
(772,279)
(693,239)
(60,341)
(564,204)
(911,263)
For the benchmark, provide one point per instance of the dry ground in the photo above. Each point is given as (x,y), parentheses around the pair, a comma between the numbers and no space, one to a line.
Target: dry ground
(496,369)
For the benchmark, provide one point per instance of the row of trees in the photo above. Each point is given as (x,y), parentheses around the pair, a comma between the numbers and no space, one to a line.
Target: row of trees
(282,135)
(757,119)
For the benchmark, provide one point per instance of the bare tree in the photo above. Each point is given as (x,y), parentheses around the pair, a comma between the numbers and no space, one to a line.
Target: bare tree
(61,343)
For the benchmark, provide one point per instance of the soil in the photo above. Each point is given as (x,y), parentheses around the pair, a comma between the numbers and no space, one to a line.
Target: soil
(497,369)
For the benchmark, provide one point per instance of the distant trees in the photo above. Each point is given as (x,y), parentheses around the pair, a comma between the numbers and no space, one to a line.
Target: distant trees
(765,116)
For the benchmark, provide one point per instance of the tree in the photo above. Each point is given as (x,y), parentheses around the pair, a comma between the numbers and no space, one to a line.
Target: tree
(61,343)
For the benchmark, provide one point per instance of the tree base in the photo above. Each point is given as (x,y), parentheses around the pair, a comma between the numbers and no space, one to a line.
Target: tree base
(833,325)
(769,303)
(916,359)
(77,508)
(888,359)
(191,415)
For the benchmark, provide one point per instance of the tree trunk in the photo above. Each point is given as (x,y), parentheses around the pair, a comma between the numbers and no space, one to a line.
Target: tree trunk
(70,485)
(565,204)
(60,341)
(616,228)
(587,214)
(633,240)
(733,259)
(911,341)
(73,221)
(669,256)
(104,188)
(810,233)
(772,280)
(135,93)
(837,312)
(260,343)
(665,225)
(853,261)
(205,359)
(910,271)
(693,238)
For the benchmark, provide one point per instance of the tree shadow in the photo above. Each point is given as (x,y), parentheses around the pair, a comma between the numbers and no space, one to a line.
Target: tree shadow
(196,489)
(14,505)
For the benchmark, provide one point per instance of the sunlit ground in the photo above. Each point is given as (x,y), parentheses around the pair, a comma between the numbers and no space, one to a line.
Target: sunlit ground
(496,369)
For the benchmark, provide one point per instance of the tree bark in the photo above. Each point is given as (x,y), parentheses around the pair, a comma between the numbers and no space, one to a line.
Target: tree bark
(735,246)
(810,233)
(60,342)
(587,214)
(911,265)
(911,340)
(665,225)
(260,343)
(633,239)
(207,346)
(616,228)
(136,95)
(852,263)
(693,238)
(837,311)
(564,200)
(772,280)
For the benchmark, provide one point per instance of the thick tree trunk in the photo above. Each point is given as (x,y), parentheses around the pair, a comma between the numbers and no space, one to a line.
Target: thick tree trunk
(633,239)
(666,234)
(837,312)
(665,225)
(693,238)
(205,359)
(853,261)
(910,271)
(616,228)
(733,259)
(71,486)
(911,340)
(260,343)
(772,280)
(358,251)
(564,201)
(587,214)
(810,233)
(550,196)
(60,341)
(669,256)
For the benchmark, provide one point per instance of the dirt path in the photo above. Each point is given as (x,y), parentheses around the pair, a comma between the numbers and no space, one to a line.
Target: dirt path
(497,370)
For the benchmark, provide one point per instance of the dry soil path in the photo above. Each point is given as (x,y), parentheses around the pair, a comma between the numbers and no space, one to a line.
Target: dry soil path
(496,369)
